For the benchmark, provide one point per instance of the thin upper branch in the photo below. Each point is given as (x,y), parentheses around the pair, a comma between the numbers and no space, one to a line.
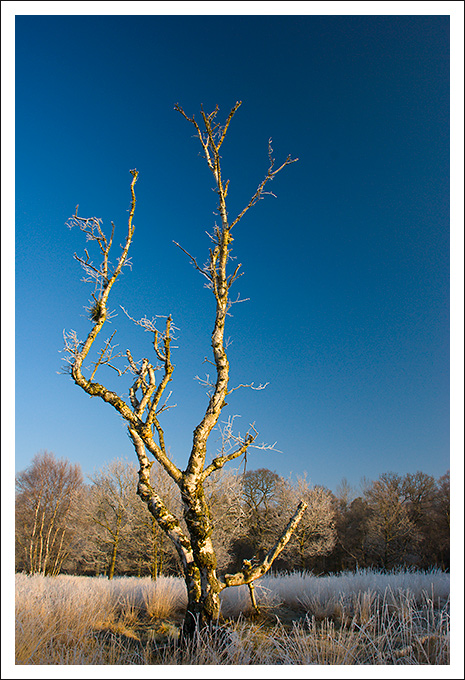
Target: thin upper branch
(194,262)
(218,462)
(260,192)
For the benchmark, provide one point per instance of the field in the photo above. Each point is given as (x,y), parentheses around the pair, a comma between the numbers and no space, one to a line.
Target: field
(357,618)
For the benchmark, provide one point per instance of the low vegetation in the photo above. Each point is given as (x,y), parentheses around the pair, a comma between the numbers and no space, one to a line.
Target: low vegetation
(365,617)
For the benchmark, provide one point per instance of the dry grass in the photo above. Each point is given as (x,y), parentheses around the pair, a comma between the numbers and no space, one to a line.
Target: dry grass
(64,620)
(353,619)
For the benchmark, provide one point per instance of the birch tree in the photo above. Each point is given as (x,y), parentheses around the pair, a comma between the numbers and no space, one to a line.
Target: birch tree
(147,393)
(47,493)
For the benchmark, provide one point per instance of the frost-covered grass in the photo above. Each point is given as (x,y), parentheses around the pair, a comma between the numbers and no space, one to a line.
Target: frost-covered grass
(362,618)
(322,594)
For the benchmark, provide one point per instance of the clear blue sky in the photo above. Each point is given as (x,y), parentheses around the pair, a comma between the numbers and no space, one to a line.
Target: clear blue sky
(347,270)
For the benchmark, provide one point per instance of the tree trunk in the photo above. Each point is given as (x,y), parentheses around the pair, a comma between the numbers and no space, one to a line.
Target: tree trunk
(203,586)
(114,552)
(203,606)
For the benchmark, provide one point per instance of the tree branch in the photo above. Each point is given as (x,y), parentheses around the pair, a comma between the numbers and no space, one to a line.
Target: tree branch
(218,462)
(249,573)
(194,262)
(166,520)
(271,174)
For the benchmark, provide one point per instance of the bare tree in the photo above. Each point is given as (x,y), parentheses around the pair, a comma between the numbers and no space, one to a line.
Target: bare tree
(427,502)
(392,535)
(345,494)
(352,533)
(263,493)
(146,395)
(442,517)
(46,496)
(111,509)
(316,533)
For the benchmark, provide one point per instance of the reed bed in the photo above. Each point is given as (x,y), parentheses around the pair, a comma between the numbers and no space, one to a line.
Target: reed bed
(362,618)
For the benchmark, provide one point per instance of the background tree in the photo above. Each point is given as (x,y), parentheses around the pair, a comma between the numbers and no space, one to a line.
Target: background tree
(391,534)
(142,411)
(315,536)
(345,494)
(420,492)
(47,521)
(442,523)
(263,496)
(112,496)
(352,550)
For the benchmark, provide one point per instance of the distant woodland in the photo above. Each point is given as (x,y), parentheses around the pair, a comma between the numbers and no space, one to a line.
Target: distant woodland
(65,524)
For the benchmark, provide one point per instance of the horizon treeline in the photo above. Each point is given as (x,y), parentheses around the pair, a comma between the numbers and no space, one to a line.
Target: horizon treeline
(65,524)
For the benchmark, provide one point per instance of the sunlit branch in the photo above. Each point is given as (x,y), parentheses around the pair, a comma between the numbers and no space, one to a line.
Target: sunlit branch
(106,355)
(260,192)
(202,270)
(251,572)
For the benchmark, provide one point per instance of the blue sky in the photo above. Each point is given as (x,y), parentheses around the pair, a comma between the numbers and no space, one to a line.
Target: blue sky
(347,270)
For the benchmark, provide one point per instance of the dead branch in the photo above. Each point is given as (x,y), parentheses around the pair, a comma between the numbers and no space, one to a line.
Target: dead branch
(249,572)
